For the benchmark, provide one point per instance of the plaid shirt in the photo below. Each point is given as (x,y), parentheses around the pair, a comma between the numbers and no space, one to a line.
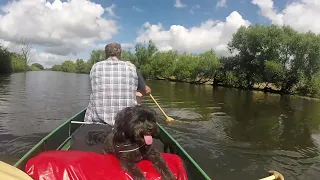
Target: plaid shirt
(114,85)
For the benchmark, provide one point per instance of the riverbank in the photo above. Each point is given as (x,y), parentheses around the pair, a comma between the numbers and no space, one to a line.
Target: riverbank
(263,87)
(256,87)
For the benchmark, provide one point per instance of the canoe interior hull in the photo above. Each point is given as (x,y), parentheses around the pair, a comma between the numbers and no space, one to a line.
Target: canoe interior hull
(60,139)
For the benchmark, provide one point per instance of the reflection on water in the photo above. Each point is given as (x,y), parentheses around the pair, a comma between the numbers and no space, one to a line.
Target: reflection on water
(233,133)
(33,104)
(230,133)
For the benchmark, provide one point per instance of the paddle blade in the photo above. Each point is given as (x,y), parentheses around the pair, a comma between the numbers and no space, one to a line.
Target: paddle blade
(169,119)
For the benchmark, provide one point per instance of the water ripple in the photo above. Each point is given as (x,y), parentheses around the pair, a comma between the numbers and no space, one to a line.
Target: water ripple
(229,132)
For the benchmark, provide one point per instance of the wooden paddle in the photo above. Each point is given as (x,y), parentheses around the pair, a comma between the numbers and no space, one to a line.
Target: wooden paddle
(275,176)
(9,172)
(169,119)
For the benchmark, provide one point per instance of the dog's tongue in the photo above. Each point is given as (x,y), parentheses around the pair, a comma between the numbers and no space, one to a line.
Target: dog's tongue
(148,140)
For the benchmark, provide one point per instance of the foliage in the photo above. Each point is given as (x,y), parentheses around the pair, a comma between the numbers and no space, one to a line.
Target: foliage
(69,66)
(129,56)
(273,72)
(34,68)
(161,64)
(56,68)
(5,61)
(273,56)
(11,62)
(81,66)
(39,66)
(18,63)
(25,47)
(208,65)
(95,56)
(144,53)
(314,86)
(185,67)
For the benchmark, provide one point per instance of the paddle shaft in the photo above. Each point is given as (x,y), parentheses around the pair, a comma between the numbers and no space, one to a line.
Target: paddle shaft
(159,106)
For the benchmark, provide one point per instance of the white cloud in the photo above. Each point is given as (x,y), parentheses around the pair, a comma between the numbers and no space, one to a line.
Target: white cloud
(193,8)
(221,4)
(60,28)
(179,4)
(110,11)
(209,35)
(137,9)
(49,59)
(267,10)
(301,14)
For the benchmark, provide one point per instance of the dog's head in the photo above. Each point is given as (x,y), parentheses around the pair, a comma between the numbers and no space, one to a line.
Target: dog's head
(137,124)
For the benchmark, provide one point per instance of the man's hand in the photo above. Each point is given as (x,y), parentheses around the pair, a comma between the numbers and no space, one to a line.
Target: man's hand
(148,90)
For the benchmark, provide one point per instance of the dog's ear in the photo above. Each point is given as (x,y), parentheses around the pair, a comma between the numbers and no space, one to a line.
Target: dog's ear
(119,136)
(121,117)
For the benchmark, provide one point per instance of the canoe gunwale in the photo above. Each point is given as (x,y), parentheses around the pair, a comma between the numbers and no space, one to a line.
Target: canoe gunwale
(43,141)
(185,153)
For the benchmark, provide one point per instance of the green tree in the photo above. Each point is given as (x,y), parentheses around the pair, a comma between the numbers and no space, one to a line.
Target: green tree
(18,62)
(56,68)
(208,66)
(161,64)
(250,42)
(314,85)
(33,68)
(25,47)
(185,67)
(81,66)
(5,61)
(128,56)
(273,72)
(68,66)
(228,72)
(95,56)
(144,52)
(38,66)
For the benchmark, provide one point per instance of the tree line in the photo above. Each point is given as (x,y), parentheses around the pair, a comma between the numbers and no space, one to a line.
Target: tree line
(12,62)
(270,58)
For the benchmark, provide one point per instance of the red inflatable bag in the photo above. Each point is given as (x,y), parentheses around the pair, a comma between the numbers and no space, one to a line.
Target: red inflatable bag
(80,165)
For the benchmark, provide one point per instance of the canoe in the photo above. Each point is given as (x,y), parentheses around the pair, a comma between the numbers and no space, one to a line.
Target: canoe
(59,139)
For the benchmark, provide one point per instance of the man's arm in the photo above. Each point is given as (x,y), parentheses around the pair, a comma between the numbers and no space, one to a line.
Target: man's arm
(142,87)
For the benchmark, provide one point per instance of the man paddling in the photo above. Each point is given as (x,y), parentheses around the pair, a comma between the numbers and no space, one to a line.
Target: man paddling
(114,84)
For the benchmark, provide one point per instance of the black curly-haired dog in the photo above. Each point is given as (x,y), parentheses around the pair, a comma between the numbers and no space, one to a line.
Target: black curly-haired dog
(131,141)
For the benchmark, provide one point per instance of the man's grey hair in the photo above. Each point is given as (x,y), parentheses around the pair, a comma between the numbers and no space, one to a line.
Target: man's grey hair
(113,49)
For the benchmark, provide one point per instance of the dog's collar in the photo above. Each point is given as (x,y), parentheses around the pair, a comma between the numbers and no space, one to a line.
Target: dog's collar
(130,150)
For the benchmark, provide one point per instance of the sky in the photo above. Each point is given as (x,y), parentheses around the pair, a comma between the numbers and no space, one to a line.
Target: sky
(61,30)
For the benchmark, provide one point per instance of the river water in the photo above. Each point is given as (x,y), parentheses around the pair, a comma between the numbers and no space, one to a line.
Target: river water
(232,134)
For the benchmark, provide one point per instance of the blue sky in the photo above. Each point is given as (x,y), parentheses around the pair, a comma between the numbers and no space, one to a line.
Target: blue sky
(163,11)
(69,29)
